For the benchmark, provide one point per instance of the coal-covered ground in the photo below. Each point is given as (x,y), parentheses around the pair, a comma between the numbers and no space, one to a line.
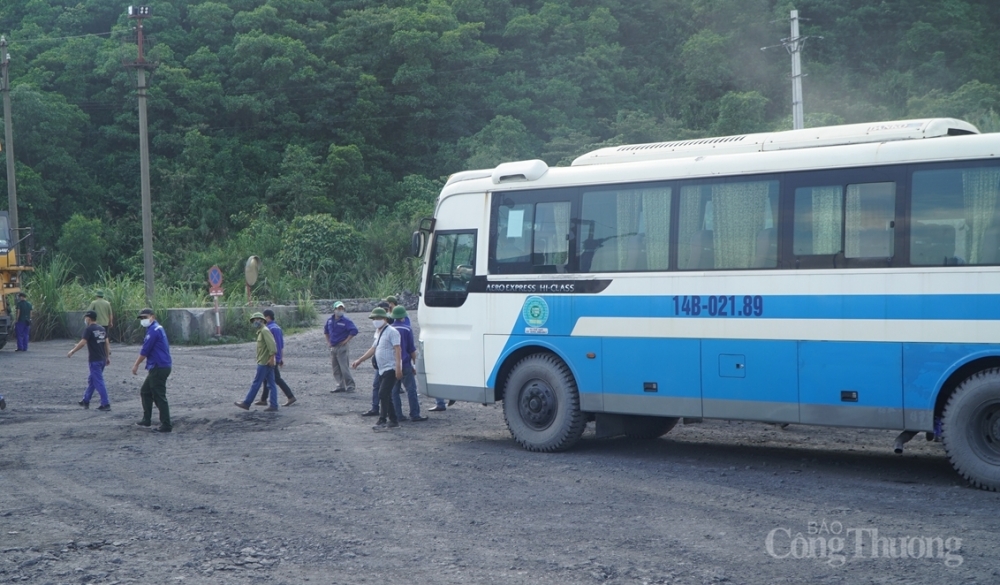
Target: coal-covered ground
(311,494)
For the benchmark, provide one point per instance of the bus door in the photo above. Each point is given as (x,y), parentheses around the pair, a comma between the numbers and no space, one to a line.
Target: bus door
(451,368)
(850,369)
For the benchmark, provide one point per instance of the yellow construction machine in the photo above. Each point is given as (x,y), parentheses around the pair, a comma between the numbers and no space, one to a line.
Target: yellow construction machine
(15,260)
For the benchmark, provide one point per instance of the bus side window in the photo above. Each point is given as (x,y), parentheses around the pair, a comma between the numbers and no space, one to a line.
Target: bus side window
(955,217)
(514,223)
(869,220)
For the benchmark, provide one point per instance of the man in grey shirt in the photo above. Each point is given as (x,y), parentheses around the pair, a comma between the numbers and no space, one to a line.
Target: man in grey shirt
(388,363)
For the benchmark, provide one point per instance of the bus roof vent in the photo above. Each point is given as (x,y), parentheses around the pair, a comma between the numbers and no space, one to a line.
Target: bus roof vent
(792,139)
(522,170)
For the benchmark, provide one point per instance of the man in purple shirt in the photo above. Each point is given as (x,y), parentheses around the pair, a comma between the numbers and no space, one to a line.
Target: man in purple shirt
(339,331)
(279,340)
(156,353)
(408,349)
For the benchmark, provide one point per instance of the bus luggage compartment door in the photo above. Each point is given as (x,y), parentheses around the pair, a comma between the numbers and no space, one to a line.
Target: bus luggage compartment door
(750,380)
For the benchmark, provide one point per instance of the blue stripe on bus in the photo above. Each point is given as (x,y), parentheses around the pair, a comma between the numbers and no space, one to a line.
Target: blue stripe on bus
(915,307)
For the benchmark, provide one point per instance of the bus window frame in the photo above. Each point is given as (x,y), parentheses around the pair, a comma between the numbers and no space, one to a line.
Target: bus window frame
(912,169)
(895,174)
(534,197)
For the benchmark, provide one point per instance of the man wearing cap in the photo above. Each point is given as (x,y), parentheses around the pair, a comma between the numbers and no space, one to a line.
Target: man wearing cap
(105,316)
(95,338)
(155,352)
(408,351)
(279,360)
(339,332)
(393,303)
(267,349)
(388,363)
(374,411)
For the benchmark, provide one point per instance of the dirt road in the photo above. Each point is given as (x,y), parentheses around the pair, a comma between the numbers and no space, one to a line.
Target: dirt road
(311,495)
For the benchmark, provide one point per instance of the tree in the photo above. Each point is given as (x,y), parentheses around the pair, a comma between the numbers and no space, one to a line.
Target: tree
(82,241)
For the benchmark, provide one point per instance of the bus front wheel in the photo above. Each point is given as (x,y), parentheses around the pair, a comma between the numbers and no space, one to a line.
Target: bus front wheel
(971,429)
(542,405)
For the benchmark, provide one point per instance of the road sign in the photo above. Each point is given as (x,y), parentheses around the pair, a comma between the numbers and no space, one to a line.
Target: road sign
(215,281)
(215,276)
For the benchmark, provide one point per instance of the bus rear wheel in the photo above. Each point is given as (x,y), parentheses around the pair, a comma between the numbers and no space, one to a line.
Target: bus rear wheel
(971,429)
(648,427)
(542,405)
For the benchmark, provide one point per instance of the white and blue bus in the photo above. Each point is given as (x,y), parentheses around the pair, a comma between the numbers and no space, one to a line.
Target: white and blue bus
(843,276)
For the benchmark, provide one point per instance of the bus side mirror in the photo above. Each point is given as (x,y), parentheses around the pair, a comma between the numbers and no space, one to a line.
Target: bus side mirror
(417,244)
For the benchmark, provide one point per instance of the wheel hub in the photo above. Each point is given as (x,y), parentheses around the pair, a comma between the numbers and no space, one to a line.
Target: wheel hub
(994,428)
(985,432)
(537,404)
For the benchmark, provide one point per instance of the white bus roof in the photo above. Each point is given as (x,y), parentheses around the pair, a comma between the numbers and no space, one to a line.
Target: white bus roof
(888,143)
(770,141)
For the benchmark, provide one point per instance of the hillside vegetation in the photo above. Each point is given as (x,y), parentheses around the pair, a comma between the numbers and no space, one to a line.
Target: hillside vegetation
(313,132)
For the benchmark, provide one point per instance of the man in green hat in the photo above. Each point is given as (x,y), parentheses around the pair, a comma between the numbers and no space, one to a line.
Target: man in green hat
(267,349)
(388,364)
(105,316)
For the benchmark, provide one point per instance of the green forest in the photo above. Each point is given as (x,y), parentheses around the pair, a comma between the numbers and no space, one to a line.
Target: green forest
(313,133)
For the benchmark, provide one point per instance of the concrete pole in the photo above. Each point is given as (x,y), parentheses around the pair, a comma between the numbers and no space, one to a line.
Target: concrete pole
(8,138)
(795,48)
(147,207)
(147,211)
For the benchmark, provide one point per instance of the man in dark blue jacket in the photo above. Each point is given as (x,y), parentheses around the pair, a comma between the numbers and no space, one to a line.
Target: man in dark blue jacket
(339,331)
(156,353)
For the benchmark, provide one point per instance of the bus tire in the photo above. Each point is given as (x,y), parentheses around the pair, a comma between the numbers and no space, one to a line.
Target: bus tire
(971,429)
(542,405)
(648,427)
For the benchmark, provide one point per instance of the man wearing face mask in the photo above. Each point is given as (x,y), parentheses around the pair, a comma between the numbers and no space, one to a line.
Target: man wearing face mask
(339,331)
(267,350)
(156,353)
(388,363)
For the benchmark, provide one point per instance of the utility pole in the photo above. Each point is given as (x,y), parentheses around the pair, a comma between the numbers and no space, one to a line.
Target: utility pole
(794,45)
(138,13)
(8,137)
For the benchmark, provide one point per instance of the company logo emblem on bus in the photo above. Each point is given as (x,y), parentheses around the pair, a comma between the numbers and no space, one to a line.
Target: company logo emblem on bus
(536,314)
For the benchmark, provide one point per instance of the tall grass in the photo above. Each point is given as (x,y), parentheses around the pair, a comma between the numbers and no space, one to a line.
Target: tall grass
(44,288)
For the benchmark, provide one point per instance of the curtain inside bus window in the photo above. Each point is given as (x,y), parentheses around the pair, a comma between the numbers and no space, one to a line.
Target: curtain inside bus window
(551,245)
(625,230)
(656,213)
(870,210)
(739,221)
(695,241)
(819,215)
(955,218)
(514,228)
(980,190)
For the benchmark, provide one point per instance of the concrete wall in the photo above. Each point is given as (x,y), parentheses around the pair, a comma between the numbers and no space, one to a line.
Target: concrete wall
(187,325)
(194,325)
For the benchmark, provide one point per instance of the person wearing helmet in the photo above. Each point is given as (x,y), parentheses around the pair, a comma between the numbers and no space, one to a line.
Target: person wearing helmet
(408,350)
(267,350)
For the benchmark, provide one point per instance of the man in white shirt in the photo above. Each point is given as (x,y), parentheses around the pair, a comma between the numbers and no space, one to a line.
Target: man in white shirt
(389,366)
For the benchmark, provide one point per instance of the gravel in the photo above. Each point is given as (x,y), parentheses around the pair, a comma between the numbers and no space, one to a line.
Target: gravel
(311,495)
